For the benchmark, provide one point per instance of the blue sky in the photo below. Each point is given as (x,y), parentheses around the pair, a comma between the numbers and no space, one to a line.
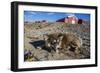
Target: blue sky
(32,16)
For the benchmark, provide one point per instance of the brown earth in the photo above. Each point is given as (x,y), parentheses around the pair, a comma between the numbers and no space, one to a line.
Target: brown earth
(33,33)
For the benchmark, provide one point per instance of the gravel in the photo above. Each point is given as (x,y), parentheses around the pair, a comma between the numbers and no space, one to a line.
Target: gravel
(40,54)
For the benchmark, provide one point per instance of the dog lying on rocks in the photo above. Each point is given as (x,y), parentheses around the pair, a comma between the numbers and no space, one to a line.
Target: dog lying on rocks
(63,41)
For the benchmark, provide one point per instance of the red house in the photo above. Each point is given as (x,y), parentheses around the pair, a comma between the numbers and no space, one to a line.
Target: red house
(70,19)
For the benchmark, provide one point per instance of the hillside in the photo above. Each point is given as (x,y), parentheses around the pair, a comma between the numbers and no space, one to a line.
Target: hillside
(35,31)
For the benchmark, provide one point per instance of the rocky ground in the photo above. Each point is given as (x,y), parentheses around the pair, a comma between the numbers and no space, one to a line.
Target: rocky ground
(33,36)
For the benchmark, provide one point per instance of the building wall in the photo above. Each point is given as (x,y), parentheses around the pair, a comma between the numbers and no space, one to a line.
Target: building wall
(71,20)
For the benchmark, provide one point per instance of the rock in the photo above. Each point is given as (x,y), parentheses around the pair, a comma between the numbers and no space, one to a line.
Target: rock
(41,54)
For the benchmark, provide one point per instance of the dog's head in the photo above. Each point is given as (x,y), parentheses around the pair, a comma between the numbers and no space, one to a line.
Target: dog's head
(53,39)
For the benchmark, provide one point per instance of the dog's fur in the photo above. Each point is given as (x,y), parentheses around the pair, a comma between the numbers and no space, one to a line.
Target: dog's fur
(52,40)
(63,41)
(70,41)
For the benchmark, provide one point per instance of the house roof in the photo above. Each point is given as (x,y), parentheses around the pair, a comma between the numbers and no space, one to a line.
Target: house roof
(62,19)
(72,16)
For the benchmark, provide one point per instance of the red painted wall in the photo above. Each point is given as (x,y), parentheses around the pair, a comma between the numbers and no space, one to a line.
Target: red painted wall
(71,20)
